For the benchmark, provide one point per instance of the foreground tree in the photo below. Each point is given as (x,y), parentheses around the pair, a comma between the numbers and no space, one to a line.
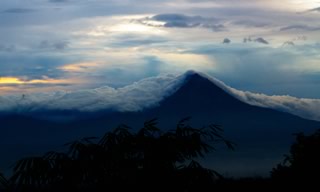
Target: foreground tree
(122,159)
(302,166)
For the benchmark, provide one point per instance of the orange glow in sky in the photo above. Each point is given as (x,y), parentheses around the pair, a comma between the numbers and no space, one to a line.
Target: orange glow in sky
(18,81)
(10,80)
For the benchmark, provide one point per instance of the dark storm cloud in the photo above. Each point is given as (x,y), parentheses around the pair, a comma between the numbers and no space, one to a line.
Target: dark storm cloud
(19,10)
(184,21)
(300,27)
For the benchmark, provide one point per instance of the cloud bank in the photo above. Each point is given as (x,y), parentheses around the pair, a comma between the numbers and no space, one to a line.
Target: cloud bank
(135,97)
(302,107)
(146,93)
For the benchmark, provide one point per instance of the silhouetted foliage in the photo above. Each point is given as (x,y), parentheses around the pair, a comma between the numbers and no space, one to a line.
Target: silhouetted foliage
(123,159)
(302,166)
(4,184)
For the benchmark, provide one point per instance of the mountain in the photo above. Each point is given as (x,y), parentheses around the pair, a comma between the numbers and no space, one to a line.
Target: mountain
(262,135)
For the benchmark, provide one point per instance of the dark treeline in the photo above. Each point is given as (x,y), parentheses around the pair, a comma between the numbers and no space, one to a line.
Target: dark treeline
(152,160)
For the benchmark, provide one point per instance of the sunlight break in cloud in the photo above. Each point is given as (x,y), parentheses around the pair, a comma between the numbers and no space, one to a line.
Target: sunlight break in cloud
(80,67)
(45,80)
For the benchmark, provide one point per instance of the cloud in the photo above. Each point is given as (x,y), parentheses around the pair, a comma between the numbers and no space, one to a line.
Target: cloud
(252,23)
(257,40)
(300,28)
(305,108)
(246,40)
(261,40)
(182,21)
(288,43)
(137,96)
(19,10)
(294,70)
(226,41)
(143,94)
(58,46)
(314,10)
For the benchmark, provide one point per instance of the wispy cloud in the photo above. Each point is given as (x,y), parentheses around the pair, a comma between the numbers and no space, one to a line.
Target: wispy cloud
(300,28)
(183,21)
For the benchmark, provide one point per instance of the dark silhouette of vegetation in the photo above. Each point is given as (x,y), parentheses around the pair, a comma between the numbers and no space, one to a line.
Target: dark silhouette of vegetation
(153,160)
(148,159)
(302,165)
(4,184)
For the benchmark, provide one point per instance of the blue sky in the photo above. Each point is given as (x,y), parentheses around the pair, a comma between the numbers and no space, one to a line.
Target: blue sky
(263,46)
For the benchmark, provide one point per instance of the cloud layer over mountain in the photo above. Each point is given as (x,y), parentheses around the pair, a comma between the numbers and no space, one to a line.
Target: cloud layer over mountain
(143,94)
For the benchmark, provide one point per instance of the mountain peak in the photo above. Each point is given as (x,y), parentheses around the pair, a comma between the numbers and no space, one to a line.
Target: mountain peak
(197,91)
(195,76)
(192,73)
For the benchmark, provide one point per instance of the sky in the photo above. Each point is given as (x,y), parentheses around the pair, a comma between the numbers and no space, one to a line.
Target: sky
(263,46)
